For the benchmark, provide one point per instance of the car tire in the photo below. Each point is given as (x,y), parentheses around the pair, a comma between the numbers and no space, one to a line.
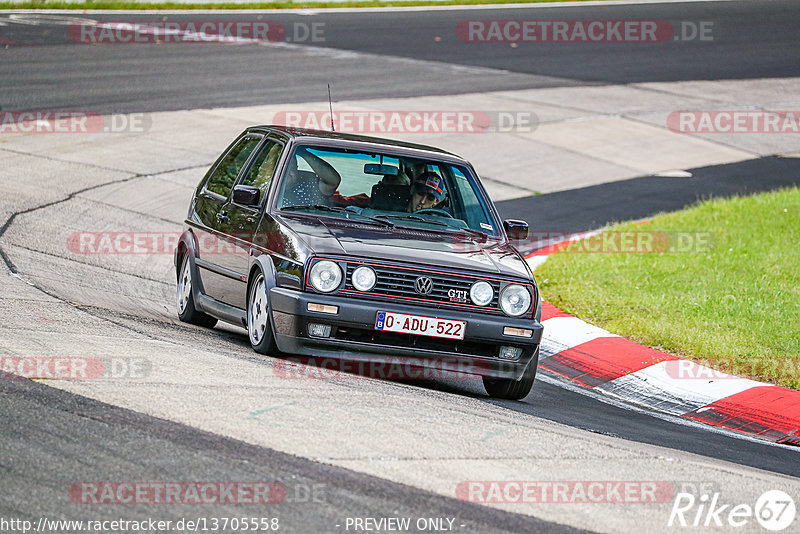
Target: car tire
(259,329)
(186,309)
(505,388)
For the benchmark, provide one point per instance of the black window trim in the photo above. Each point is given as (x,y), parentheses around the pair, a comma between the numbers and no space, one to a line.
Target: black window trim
(205,190)
(245,170)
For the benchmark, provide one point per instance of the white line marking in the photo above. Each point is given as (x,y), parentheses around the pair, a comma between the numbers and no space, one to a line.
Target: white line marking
(536,261)
(15,275)
(36,19)
(332,53)
(388,9)
(562,333)
(676,386)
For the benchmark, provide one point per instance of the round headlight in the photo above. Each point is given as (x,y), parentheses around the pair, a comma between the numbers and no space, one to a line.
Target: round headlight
(481,293)
(364,278)
(515,300)
(325,276)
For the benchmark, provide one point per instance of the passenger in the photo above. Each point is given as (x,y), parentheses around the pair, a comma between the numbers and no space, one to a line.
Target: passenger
(427,192)
(395,179)
(303,189)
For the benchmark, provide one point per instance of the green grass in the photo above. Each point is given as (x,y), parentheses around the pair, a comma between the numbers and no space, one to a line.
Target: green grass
(734,306)
(117,4)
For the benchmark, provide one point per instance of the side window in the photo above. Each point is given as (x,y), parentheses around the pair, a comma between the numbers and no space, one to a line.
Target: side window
(466,200)
(228,169)
(263,168)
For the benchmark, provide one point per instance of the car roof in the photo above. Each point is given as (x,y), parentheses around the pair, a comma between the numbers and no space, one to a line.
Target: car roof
(302,133)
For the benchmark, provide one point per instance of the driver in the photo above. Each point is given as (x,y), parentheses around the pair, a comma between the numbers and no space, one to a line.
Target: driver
(427,192)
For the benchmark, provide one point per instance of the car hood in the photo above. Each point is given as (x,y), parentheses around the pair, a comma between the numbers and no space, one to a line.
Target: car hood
(369,242)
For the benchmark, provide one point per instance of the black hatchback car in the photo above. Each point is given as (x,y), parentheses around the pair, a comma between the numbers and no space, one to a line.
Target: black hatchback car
(355,248)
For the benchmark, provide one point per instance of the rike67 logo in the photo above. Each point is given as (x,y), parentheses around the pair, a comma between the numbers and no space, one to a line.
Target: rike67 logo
(774,510)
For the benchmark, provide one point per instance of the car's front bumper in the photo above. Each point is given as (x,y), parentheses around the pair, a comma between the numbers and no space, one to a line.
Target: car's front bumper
(353,335)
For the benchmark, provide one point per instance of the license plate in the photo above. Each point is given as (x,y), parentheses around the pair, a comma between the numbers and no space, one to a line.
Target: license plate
(419,325)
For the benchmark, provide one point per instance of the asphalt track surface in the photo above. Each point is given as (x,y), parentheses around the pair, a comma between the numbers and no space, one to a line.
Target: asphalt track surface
(88,440)
(43,69)
(588,208)
(47,424)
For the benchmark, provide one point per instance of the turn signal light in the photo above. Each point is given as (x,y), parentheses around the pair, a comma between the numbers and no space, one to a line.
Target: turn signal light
(322,308)
(517,332)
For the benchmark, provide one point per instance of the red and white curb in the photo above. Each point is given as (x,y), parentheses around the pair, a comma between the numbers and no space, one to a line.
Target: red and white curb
(595,358)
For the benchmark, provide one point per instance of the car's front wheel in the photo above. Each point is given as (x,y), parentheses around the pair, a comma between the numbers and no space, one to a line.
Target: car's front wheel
(505,388)
(186,310)
(258,328)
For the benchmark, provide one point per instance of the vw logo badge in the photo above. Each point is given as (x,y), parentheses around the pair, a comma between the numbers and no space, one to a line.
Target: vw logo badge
(423,285)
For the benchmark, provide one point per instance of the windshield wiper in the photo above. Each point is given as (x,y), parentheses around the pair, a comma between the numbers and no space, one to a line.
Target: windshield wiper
(382,219)
(412,218)
(472,231)
(310,206)
(337,209)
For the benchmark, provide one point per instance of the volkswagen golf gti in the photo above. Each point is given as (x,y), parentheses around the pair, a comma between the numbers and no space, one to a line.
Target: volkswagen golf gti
(349,247)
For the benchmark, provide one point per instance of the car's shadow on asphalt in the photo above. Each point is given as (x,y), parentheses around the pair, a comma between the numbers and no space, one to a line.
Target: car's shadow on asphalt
(563,405)
(333,368)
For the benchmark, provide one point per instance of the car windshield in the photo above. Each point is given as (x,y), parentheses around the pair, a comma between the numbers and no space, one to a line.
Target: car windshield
(401,190)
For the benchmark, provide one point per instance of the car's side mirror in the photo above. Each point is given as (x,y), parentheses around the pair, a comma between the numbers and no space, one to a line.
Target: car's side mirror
(246,195)
(516,230)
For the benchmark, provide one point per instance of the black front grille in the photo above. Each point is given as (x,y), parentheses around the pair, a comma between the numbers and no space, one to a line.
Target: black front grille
(399,282)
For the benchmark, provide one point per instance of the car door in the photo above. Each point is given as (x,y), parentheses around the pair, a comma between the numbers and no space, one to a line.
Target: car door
(243,220)
(215,225)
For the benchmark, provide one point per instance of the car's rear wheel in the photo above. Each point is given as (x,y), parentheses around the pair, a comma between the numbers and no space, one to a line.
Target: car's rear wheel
(505,388)
(186,310)
(258,328)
